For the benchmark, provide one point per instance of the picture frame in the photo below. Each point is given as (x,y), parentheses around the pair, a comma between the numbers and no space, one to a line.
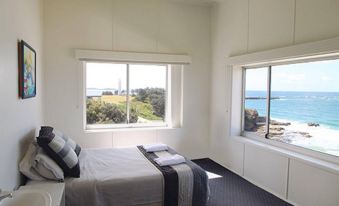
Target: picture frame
(27,70)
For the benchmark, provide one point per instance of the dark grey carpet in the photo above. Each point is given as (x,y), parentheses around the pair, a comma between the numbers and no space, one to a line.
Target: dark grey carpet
(233,190)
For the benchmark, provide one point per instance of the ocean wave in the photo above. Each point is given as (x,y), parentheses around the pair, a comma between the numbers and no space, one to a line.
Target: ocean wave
(323,139)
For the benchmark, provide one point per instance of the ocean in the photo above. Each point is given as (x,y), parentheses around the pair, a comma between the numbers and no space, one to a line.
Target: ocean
(302,107)
(90,92)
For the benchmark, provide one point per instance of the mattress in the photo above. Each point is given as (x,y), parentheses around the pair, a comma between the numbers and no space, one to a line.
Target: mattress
(129,176)
(115,177)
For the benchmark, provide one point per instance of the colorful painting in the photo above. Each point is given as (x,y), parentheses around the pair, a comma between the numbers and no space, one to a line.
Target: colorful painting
(27,70)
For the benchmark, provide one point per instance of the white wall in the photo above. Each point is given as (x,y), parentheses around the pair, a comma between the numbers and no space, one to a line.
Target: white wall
(144,26)
(238,27)
(244,26)
(18,118)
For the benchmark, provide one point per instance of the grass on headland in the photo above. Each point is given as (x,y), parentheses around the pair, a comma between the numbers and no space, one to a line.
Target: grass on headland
(114,99)
(144,110)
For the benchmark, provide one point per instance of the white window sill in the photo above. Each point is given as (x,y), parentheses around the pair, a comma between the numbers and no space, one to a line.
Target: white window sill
(126,129)
(320,163)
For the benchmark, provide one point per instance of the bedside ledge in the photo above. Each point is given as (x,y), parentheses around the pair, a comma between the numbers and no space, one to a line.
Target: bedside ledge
(55,189)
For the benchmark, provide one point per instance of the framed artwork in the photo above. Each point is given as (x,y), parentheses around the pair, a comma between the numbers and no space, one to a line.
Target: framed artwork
(27,71)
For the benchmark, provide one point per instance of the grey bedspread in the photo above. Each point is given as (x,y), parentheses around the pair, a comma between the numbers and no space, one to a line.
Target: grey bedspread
(126,177)
(115,177)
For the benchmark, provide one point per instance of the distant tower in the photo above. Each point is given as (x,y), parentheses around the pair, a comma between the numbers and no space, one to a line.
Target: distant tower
(119,86)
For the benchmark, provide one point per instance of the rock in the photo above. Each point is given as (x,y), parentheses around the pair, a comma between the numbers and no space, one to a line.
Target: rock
(305,134)
(251,117)
(276,128)
(312,124)
(261,129)
(276,132)
(273,122)
(250,126)
(256,123)
(261,119)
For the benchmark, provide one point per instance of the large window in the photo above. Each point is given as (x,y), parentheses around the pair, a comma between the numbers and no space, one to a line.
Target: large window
(126,95)
(294,103)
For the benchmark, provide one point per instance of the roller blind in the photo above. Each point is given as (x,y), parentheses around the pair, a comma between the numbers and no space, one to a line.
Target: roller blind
(131,57)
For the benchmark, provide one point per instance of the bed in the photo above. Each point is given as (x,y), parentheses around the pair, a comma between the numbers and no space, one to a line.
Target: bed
(129,176)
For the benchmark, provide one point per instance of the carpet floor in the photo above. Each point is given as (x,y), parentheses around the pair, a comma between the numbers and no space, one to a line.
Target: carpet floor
(228,188)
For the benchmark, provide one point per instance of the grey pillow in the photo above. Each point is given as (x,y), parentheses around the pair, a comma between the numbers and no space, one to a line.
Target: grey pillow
(47,167)
(69,141)
(57,149)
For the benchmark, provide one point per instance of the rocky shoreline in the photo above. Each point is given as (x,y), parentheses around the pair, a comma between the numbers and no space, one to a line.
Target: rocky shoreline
(278,130)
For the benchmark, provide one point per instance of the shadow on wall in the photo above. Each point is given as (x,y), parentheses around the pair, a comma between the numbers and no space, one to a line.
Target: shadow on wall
(23,146)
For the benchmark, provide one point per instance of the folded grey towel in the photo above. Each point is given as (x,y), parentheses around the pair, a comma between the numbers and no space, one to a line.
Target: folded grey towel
(155,147)
(170,160)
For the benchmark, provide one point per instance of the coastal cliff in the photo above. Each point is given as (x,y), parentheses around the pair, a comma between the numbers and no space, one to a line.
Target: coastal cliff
(278,130)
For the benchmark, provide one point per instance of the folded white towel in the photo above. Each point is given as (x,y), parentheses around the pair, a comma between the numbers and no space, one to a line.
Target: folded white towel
(155,147)
(170,160)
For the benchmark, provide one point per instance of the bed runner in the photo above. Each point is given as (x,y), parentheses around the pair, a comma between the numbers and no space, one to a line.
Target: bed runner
(185,184)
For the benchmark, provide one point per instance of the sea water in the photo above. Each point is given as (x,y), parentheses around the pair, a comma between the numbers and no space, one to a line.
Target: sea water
(301,108)
(304,107)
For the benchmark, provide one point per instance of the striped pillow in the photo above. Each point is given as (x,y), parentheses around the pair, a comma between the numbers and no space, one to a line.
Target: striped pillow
(57,149)
(68,140)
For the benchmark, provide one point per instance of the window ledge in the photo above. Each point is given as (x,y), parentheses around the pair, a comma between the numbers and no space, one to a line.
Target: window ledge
(129,129)
(313,161)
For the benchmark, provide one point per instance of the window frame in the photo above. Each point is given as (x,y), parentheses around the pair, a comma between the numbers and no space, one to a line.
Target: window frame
(251,135)
(127,125)
(268,97)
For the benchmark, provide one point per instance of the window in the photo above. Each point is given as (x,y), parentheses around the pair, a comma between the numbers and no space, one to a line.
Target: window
(126,95)
(295,104)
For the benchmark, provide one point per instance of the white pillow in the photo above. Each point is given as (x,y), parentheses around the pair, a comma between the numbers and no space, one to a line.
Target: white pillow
(46,167)
(26,163)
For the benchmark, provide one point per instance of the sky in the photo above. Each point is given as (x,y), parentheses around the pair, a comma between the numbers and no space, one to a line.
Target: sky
(108,75)
(321,76)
